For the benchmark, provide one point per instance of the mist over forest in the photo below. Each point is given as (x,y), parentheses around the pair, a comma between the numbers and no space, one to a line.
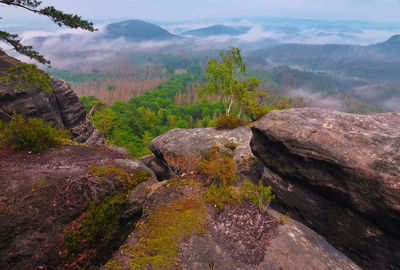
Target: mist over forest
(350,66)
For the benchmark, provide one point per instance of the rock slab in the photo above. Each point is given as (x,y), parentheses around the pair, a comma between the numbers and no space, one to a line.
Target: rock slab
(295,247)
(339,174)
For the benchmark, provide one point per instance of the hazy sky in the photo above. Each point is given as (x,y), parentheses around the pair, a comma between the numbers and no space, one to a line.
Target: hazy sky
(185,10)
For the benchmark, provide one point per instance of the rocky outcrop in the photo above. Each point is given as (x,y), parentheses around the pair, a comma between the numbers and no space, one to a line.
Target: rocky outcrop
(198,141)
(295,247)
(238,237)
(61,106)
(44,194)
(339,174)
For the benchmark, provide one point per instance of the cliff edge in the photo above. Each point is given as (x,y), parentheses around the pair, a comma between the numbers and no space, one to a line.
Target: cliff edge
(60,106)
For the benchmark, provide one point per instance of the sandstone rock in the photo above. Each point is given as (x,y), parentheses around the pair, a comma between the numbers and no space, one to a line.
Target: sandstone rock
(137,198)
(135,164)
(291,247)
(60,107)
(139,194)
(73,114)
(157,166)
(200,140)
(295,247)
(41,194)
(340,174)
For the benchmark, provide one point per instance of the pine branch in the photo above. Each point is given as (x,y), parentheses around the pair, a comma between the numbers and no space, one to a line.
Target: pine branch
(57,16)
(14,41)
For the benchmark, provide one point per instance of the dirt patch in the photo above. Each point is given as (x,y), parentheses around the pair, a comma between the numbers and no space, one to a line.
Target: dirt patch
(243,230)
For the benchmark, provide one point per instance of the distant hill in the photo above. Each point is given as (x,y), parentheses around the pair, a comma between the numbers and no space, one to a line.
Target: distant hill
(298,52)
(137,30)
(392,41)
(374,62)
(216,30)
(390,46)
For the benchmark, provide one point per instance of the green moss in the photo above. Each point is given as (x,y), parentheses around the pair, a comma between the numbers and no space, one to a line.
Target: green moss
(129,180)
(160,236)
(182,182)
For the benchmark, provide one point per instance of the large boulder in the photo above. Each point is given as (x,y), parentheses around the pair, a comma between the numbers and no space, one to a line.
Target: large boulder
(198,141)
(61,106)
(339,174)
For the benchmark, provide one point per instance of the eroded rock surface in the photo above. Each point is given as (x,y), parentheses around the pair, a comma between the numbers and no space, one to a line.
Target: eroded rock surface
(294,247)
(338,173)
(198,141)
(238,237)
(61,106)
(42,194)
(157,166)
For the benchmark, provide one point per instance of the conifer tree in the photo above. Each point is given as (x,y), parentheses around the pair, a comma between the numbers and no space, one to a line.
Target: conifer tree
(57,16)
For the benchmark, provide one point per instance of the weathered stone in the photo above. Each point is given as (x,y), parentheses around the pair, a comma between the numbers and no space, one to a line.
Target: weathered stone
(137,198)
(139,194)
(340,174)
(41,194)
(160,169)
(289,246)
(135,164)
(295,247)
(60,107)
(184,142)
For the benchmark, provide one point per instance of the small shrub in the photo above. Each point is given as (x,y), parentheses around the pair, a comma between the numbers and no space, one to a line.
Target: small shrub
(227,121)
(220,196)
(120,176)
(32,134)
(101,224)
(231,145)
(259,195)
(218,168)
(92,231)
(179,165)
(283,219)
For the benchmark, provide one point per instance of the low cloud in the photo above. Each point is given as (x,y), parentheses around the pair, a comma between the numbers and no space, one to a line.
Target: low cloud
(392,104)
(318,100)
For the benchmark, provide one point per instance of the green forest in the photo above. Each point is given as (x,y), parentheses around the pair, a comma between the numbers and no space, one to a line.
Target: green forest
(144,95)
(135,123)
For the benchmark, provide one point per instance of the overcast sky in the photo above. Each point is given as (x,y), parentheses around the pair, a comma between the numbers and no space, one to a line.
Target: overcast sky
(186,10)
